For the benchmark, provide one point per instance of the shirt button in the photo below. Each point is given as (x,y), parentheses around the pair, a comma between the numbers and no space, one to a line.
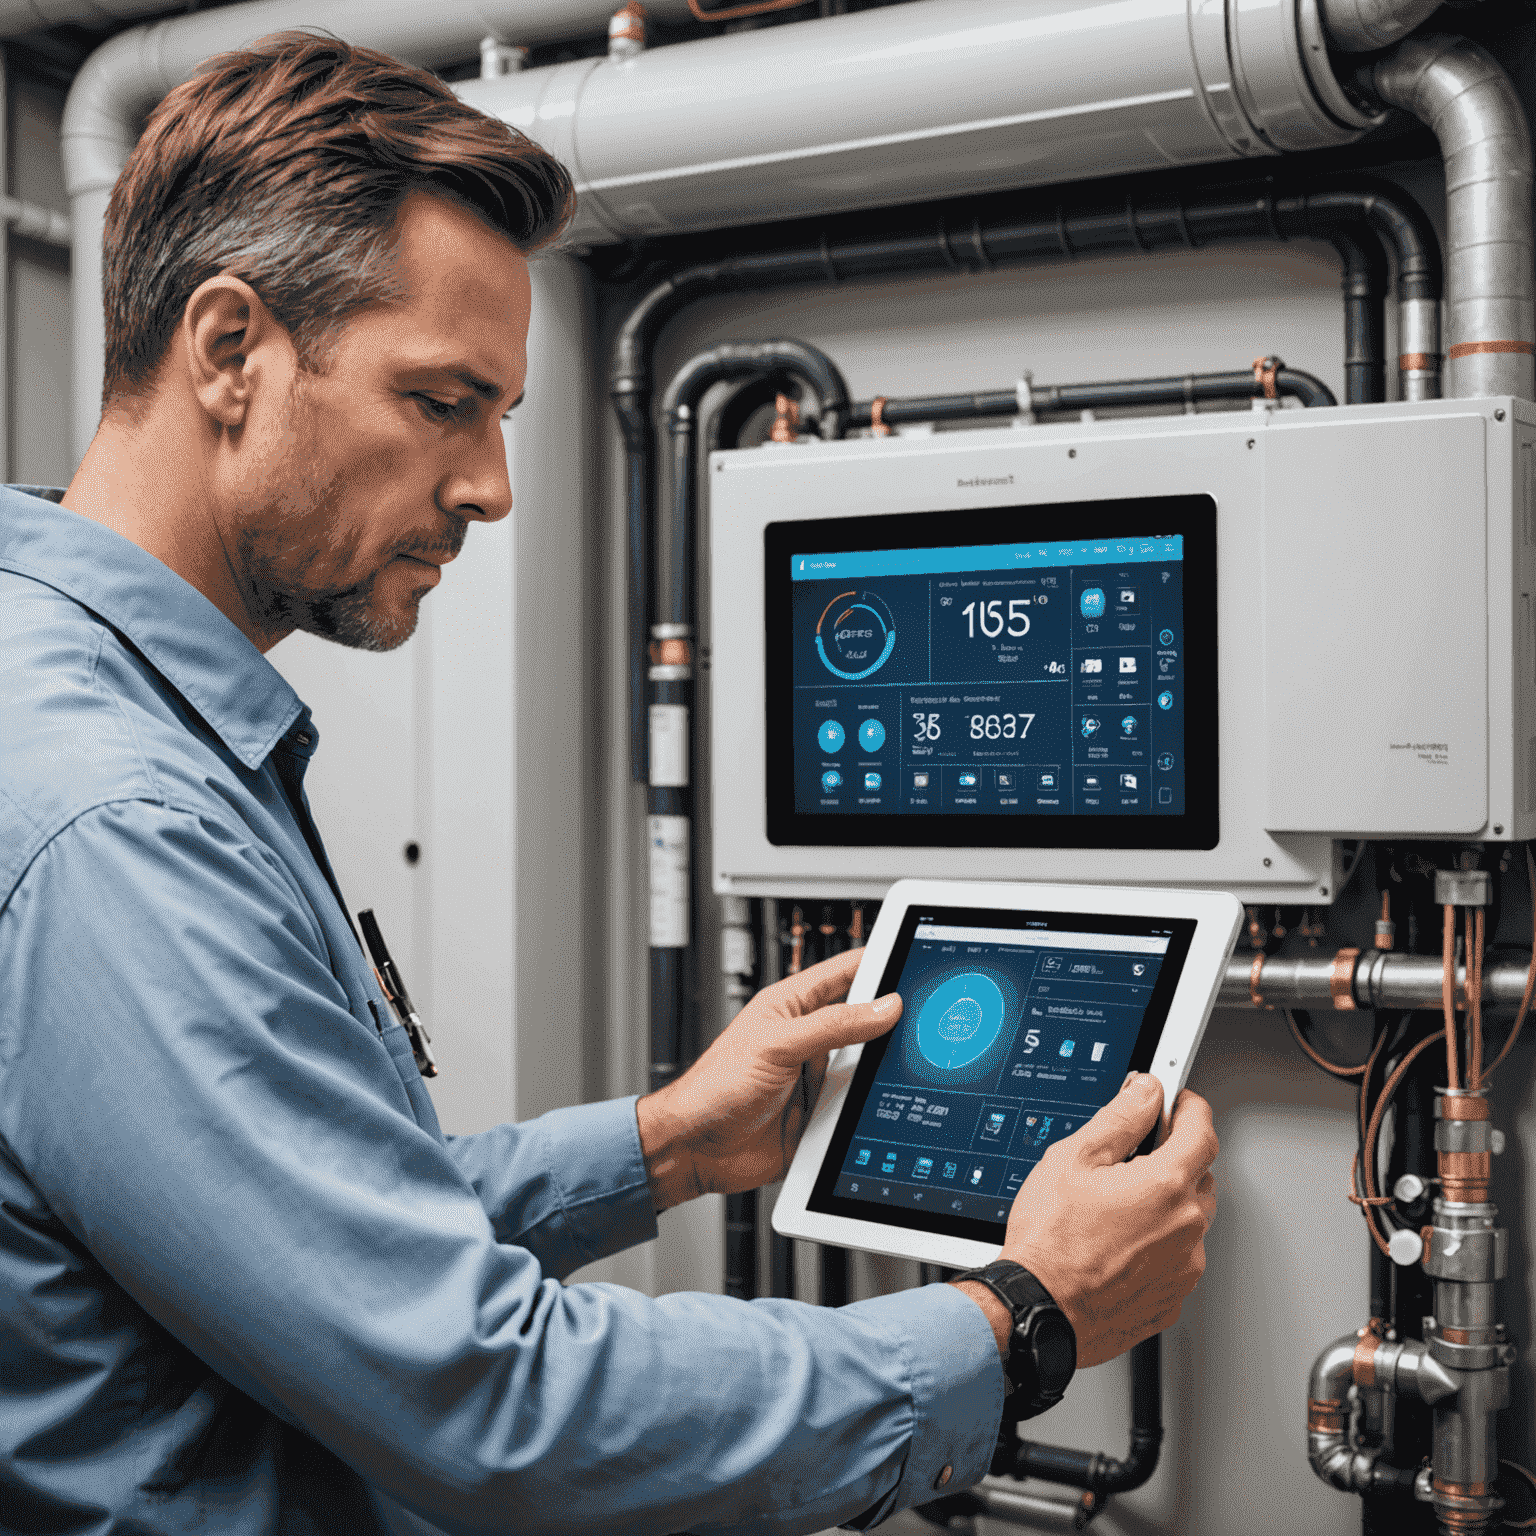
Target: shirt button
(943,1477)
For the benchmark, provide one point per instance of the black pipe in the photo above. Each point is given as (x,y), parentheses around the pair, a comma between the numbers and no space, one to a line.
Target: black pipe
(1363,269)
(1104,1475)
(671,672)
(741,1245)
(1240,384)
(834,1275)
(977,238)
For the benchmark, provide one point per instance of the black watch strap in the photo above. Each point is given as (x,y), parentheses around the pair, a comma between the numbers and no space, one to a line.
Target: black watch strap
(1042,1356)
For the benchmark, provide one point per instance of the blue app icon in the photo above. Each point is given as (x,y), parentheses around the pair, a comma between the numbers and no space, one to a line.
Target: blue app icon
(1067,1047)
(831,736)
(889,1164)
(871,781)
(1165,761)
(1090,726)
(967,781)
(922,1168)
(1128,725)
(831,780)
(871,735)
(1165,700)
(1092,602)
(1165,637)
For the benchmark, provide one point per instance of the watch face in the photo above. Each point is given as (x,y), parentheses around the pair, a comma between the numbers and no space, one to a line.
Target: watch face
(1055,1350)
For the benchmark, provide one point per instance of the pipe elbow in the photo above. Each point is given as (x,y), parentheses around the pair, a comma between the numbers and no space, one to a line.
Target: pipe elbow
(1459,89)
(1362,26)
(115,88)
(1338,1466)
(1333,1372)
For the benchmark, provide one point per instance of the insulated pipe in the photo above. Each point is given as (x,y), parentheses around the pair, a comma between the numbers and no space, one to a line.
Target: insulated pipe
(923,100)
(121,82)
(1177,389)
(1372,979)
(1363,270)
(1459,90)
(979,241)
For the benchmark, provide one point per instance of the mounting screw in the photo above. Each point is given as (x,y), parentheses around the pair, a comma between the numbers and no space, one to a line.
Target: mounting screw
(1252,441)
(1498,415)
(1071,453)
(413,854)
(1266,863)
(1322,890)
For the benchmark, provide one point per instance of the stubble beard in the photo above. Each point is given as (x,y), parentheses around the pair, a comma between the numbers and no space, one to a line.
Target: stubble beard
(275,570)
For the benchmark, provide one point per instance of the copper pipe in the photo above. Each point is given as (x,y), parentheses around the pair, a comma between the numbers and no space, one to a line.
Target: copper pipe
(1448,995)
(735,12)
(877,426)
(786,422)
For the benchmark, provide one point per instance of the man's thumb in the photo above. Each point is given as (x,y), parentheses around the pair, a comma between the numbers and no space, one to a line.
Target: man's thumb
(1122,1125)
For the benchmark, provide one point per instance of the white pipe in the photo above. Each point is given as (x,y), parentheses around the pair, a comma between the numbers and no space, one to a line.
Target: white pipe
(121,82)
(512,21)
(917,101)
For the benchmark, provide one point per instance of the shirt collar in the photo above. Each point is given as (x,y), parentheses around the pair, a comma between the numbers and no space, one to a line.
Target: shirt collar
(195,648)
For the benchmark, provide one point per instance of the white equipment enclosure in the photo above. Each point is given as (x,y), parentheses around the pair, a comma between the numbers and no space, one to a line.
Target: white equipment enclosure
(1400,535)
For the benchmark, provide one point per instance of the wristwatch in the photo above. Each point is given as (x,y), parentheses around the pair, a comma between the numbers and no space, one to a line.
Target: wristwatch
(1042,1352)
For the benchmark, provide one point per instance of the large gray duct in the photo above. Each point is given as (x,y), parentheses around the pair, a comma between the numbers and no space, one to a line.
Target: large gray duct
(1458,89)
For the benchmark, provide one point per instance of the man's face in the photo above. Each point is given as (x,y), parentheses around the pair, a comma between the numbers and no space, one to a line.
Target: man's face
(363,478)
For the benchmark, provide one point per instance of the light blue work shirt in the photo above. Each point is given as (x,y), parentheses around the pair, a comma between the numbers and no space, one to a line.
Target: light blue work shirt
(245,1280)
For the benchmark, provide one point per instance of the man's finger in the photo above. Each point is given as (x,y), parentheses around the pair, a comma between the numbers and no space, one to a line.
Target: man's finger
(817,985)
(1122,1125)
(828,1028)
(1191,1142)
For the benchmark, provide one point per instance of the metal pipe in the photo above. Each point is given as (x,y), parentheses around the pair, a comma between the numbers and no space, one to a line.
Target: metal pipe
(1458,89)
(1378,979)
(975,238)
(1362,26)
(1177,389)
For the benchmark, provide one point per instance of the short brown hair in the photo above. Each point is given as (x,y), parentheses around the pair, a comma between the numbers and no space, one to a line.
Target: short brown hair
(286,163)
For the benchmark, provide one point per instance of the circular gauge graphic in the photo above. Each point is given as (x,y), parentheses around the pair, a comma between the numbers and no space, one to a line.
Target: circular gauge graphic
(855,635)
(960,1020)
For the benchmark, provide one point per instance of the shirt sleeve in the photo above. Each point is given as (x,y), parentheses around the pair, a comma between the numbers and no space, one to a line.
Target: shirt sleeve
(570,1187)
(181,1078)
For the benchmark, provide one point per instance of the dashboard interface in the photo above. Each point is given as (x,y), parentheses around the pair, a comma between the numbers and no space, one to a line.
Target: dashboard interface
(1016,1028)
(1048,671)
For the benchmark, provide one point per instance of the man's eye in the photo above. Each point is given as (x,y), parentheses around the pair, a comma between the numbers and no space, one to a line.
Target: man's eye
(438,410)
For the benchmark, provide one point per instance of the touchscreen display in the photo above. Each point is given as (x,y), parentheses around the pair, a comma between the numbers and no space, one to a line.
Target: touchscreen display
(940,674)
(1017,1027)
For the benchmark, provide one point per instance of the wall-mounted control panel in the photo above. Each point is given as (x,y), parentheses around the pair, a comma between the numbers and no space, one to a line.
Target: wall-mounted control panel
(1176,650)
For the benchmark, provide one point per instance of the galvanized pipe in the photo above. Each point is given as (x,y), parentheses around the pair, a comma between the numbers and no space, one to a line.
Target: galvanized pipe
(1362,26)
(1377,979)
(1458,89)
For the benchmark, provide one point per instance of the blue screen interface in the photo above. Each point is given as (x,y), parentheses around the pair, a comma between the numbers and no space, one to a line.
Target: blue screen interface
(1010,1039)
(993,679)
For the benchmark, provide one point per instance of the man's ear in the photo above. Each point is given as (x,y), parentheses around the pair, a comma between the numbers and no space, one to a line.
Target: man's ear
(229,338)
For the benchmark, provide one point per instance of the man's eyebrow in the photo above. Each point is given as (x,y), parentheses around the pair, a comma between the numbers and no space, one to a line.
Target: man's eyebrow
(514,404)
(482,387)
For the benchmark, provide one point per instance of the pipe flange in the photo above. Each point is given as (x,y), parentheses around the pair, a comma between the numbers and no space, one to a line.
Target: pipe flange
(1343,108)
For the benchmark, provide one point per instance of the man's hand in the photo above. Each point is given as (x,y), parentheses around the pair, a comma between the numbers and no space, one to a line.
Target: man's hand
(733,1120)
(1119,1245)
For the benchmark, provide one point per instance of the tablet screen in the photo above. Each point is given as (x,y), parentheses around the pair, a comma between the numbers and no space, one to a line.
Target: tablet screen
(1017,1027)
(1030,676)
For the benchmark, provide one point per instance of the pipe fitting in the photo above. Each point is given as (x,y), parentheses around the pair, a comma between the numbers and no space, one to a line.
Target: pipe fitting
(1363,26)
(1458,89)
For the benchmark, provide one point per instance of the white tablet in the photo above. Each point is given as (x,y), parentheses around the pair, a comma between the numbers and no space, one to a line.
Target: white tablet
(1025,1007)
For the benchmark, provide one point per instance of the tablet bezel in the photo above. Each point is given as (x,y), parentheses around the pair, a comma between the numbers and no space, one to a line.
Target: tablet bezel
(1217,916)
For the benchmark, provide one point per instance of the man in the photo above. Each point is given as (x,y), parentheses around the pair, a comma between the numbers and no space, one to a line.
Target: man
(246,1284)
